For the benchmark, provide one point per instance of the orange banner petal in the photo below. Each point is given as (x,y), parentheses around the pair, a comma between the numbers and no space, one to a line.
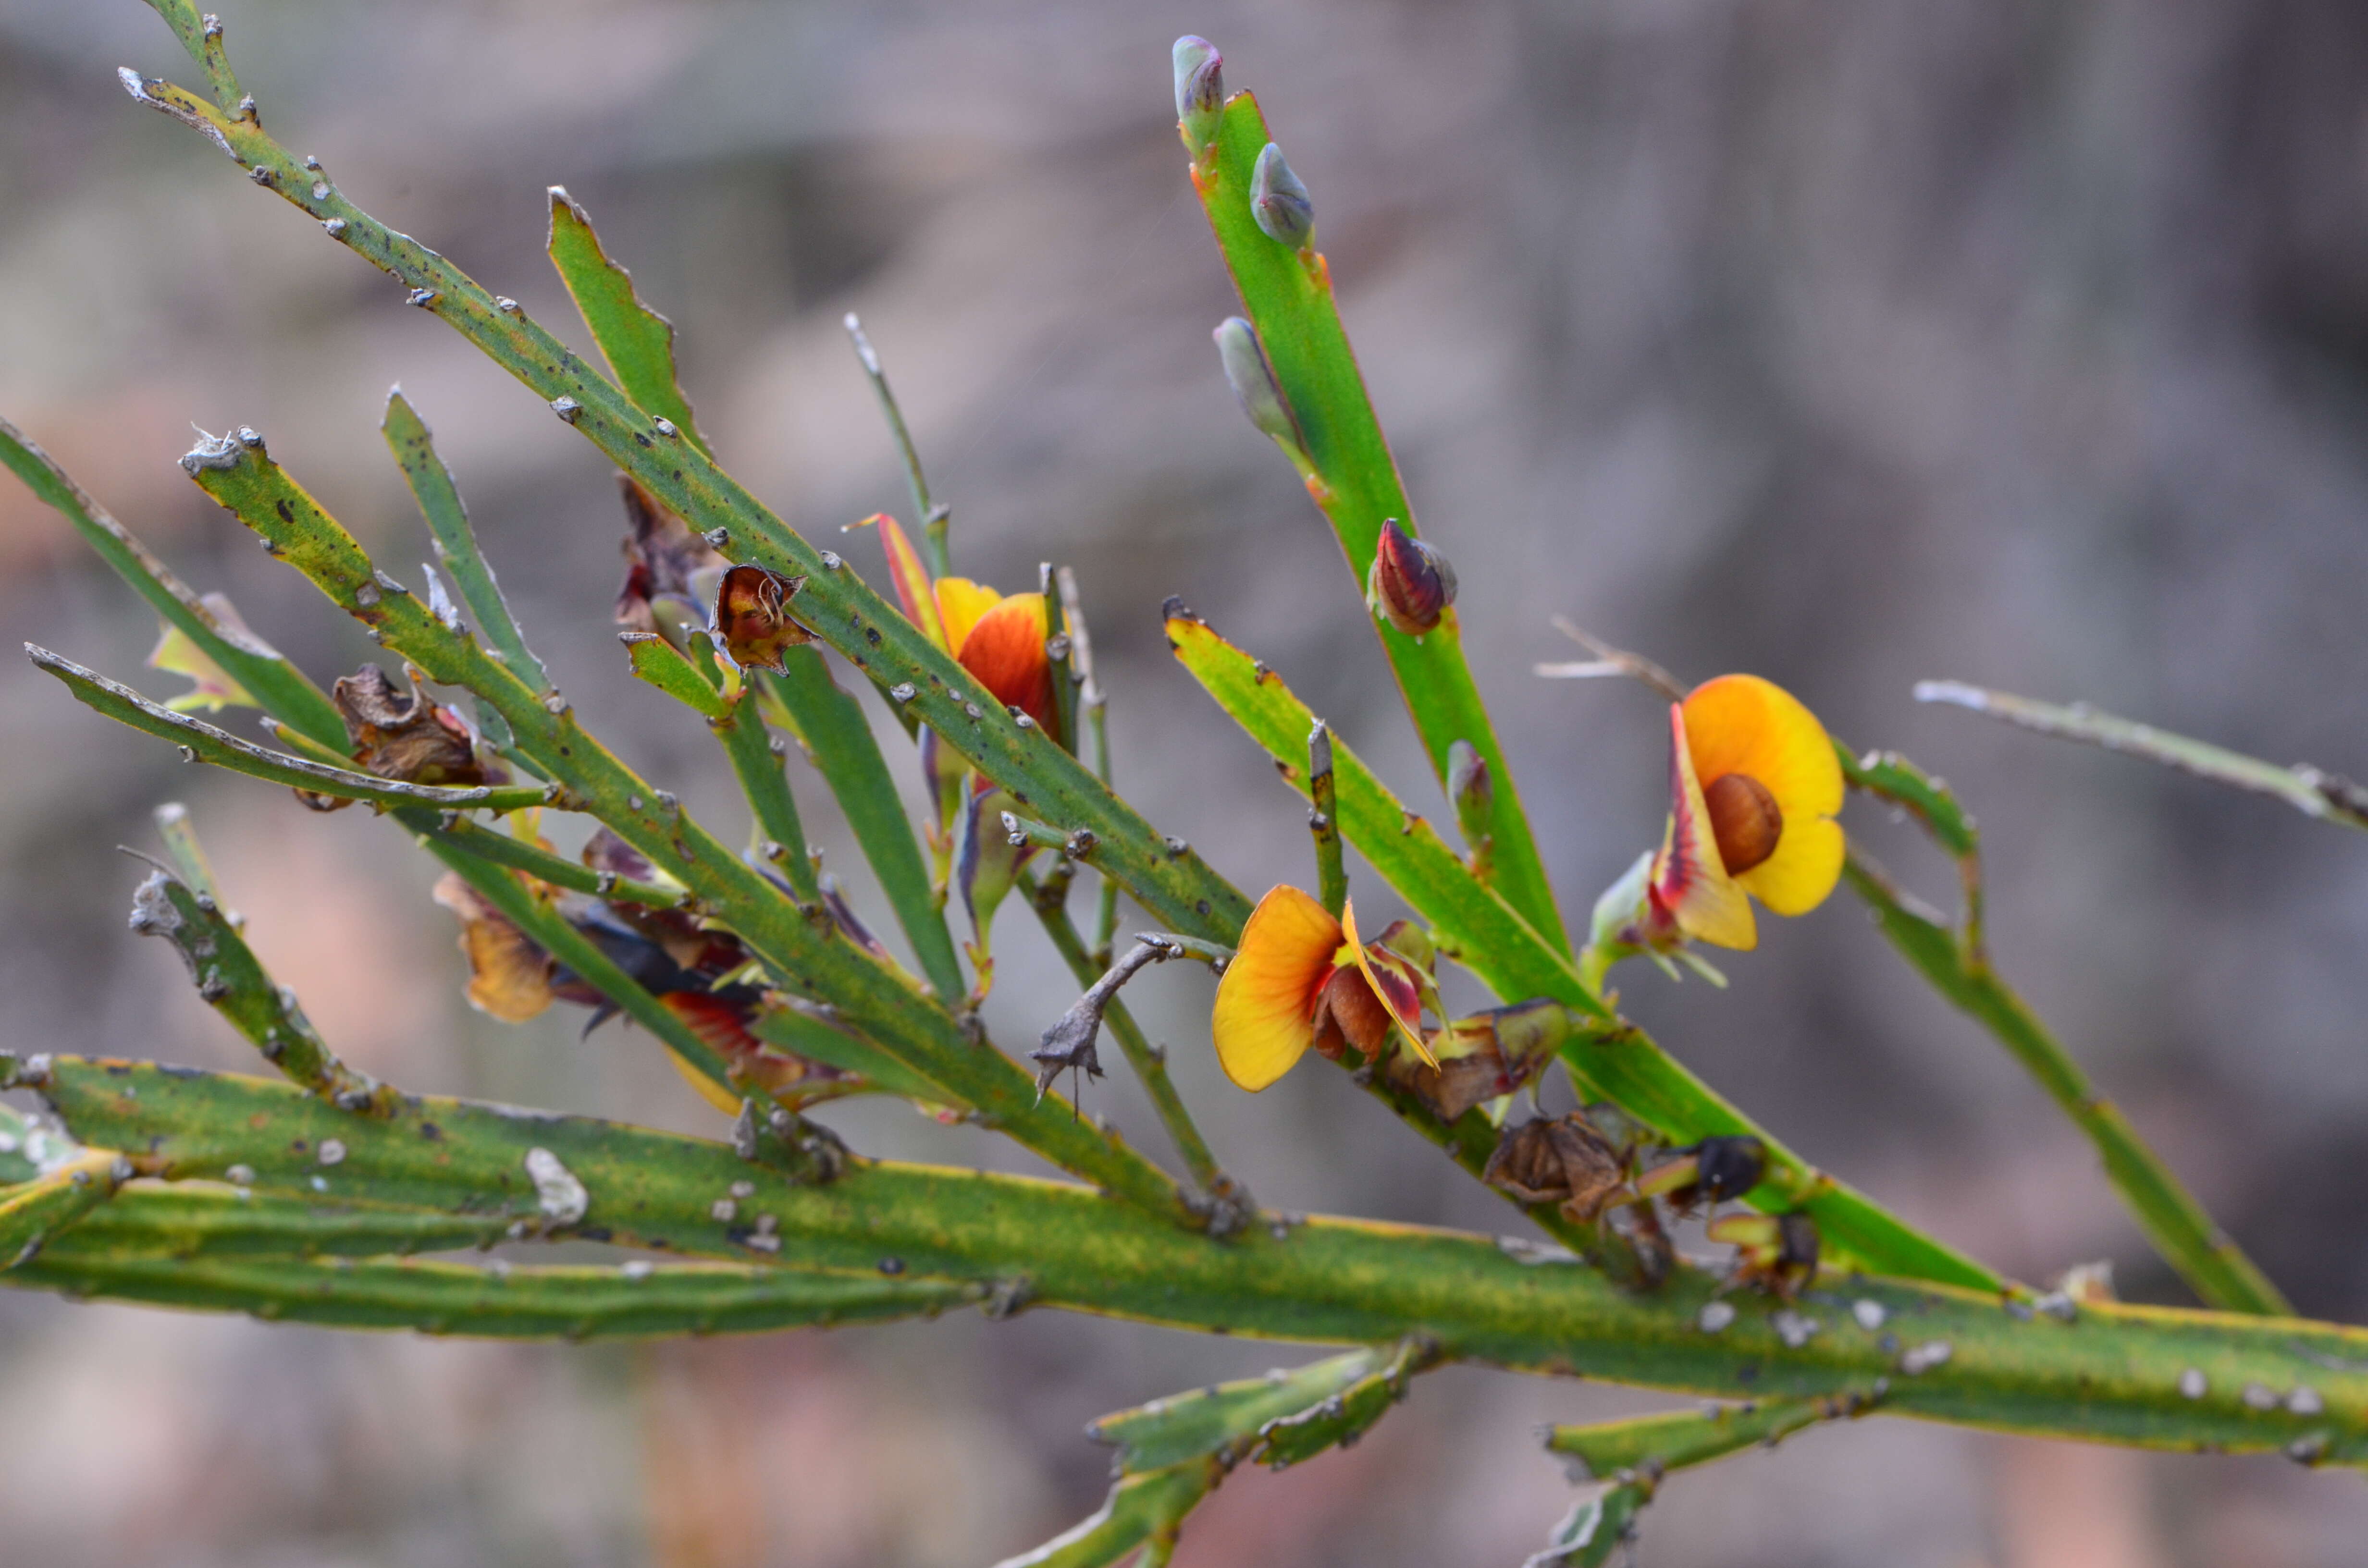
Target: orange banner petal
(1262,1021)
(1006,651)
(912,580)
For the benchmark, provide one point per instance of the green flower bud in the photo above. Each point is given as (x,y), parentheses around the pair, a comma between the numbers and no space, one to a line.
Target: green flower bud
(1200,90)
(1278,200)
(1252,379)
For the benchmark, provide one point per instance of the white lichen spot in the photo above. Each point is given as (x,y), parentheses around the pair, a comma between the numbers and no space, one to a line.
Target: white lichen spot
(1715,1316)
(1870,1314)
(767,1224)
(2259,1396)
(639,1269)
(557,1192)
(2194,1384)
(743,1189)
(332,1151)
(1794,1329)
(240,1175)
(723,1210)
(763,1244)
(2304,1401)
(1918,1360)
(7,1142)
(320,1183)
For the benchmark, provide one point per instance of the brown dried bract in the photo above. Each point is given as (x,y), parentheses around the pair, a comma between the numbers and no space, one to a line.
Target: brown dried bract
(662,557)
(400,734)
(509,974)
(752,614)
(1558,1160)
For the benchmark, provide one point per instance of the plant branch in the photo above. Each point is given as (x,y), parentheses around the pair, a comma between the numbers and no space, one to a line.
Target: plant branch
(2153,1377)
(2314,792)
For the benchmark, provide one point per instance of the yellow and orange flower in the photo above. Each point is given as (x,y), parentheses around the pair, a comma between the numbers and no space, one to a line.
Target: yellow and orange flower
(998,638)
(1301,978)
(1754,785)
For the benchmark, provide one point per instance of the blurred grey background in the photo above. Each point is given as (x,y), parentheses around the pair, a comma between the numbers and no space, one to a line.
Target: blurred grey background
(1849,343)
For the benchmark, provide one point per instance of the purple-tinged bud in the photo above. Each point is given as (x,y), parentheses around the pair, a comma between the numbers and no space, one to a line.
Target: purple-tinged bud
(1252,378)
(1200,90)
(1278,200)
(1411,584)
(1474,795)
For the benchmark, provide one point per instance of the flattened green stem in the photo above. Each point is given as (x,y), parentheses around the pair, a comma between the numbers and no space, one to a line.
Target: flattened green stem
(803,947)
(281,686)
(1616,1060)
(1149,1061)
(756,757)
(503,1300)
(1174,1451)
(1287,294)
(931,516)
(2314,792)
(2153,1377)
(2204,1254)
(189,855)
(1143,1513)
(838,736)
(180,1219)
(202,37)
(232,980)
(637,341)
(32,1211)
(457,550)
(485,844)
(1094,703)
(1324,822)
(1176,886)
(1649,1445)
(200,742)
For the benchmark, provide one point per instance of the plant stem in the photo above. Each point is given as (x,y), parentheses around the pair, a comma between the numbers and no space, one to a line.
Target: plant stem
(200,742)
(2149,1376)
(930,518)
(807,953)
(1149,1060)
(1324,822)
(407,437)
(2174,1222)
(2329,797)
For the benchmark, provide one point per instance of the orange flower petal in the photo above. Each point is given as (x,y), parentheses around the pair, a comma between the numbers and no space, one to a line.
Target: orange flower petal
(1005,649)
(1393,995)
(1261,1024)
(959,603)
(1690,881)
(1740,723)
(912,580)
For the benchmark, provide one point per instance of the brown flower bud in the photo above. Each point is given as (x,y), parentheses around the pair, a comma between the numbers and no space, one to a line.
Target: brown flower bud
(1411,584)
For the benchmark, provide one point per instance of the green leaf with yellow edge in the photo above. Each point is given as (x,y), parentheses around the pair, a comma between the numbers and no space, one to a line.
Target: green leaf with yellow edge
(1142,1510)
(1287,293)
(637,341)
(1476,926)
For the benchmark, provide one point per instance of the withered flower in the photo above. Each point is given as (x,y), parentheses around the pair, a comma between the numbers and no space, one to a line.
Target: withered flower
(1713,1170)
(1777,1253)
(752,614)
(1484,1057)
(1411,584)
(663,559)
(509,976)
(403,735)
(1560,1159)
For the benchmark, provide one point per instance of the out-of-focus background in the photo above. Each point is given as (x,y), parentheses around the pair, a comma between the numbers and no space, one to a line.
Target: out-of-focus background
(1850,343)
